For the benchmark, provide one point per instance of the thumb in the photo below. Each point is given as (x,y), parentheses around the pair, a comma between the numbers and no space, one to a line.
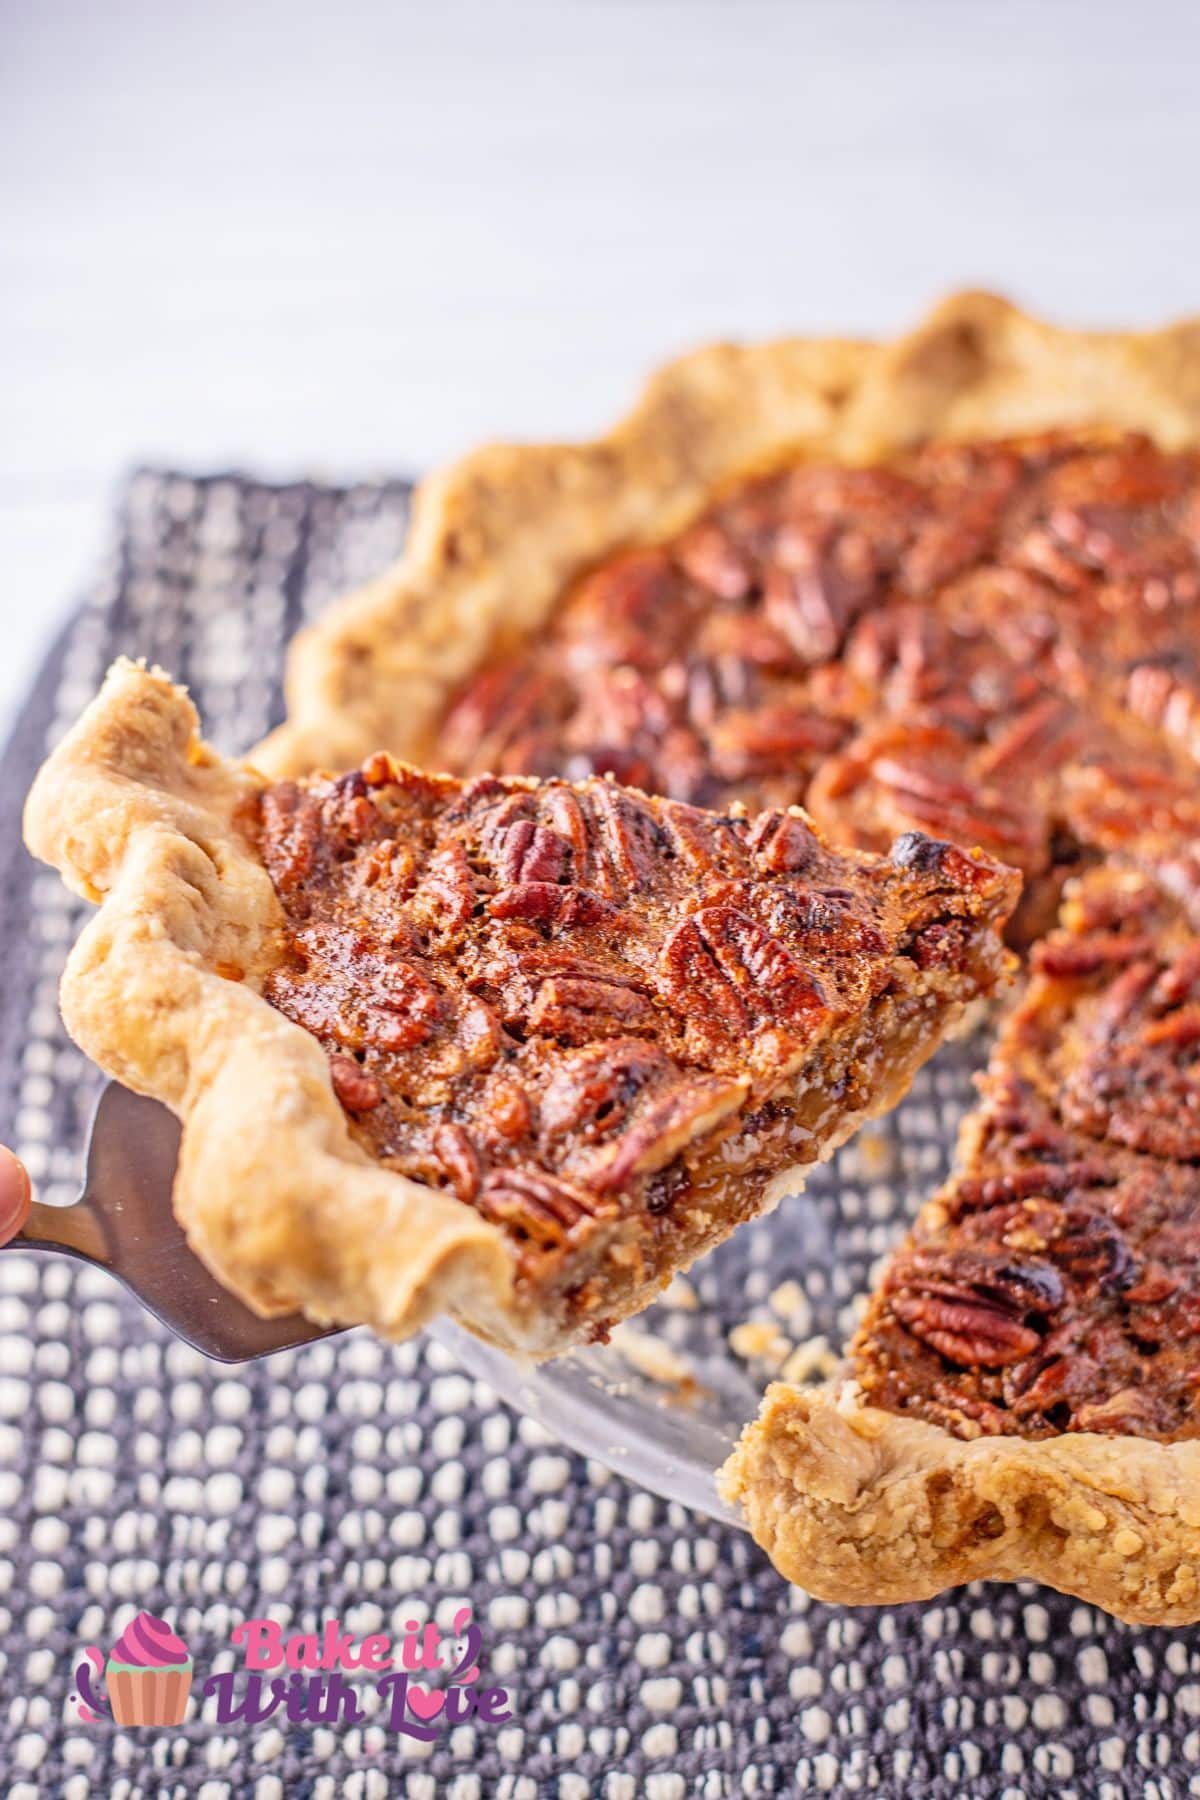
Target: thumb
(15,1195)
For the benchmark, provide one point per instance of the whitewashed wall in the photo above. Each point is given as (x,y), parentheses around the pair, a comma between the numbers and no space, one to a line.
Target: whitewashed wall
(355,237)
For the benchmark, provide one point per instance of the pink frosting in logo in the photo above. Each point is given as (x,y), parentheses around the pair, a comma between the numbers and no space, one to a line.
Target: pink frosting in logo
(149,1643)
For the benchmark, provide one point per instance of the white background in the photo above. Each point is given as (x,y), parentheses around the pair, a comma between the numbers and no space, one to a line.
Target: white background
(354,239)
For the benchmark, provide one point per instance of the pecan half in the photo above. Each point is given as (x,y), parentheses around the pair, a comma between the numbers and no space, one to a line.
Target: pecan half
(730,973)
(291,831)
(544,903)
(818,585)
(355,1088)
(458,1156)
(628,839)
(783,843)
(538,1206)
(965,1328)
(445,897)
(705,842)
(576,1009)
(686,1112)
(973,1308)
(1070,959)
(756,740)
(710,556)
(508,1112)
(532,853)
(350,992)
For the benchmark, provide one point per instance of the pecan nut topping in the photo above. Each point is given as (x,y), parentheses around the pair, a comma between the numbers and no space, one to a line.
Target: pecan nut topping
(997,644)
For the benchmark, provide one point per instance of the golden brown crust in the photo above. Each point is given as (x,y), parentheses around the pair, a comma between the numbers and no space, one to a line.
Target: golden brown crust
(865,1508)
(137,813)
(979,367)
(498,537)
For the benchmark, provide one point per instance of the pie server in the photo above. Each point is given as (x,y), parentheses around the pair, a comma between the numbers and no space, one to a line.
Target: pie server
(591,1400)
(123,1223)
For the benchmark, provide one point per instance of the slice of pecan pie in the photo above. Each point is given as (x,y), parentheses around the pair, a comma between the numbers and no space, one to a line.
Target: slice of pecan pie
(1024,1394)
(516,1050)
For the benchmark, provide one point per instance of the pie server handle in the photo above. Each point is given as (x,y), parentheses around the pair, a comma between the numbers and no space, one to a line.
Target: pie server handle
(123,1223)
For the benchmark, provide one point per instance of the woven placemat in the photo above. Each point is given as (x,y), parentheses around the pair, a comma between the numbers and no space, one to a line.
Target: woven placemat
(645,1650)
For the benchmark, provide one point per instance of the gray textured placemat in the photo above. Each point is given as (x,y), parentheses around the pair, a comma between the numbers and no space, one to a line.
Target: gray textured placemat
(647,1651)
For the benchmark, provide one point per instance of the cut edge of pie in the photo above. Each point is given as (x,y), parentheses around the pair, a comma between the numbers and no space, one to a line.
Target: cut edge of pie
(499,536)
(1016,1404)
(169,991)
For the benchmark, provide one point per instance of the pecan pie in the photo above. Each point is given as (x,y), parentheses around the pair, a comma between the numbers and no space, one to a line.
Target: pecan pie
(945,586)
(1024,1393)
(511,1049)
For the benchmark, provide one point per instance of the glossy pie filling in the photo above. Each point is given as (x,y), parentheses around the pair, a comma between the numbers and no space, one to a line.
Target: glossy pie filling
(998,644)
(607,1022)
(1055,1284)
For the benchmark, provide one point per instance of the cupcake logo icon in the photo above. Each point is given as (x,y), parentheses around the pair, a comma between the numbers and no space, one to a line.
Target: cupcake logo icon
(147,1676)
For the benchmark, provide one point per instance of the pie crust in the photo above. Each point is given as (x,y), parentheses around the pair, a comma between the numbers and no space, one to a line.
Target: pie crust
(497,538)
(684,1011)
(864,1507)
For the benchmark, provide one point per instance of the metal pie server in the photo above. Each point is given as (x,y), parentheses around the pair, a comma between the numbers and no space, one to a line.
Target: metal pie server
(123,1223)
(590,1399)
